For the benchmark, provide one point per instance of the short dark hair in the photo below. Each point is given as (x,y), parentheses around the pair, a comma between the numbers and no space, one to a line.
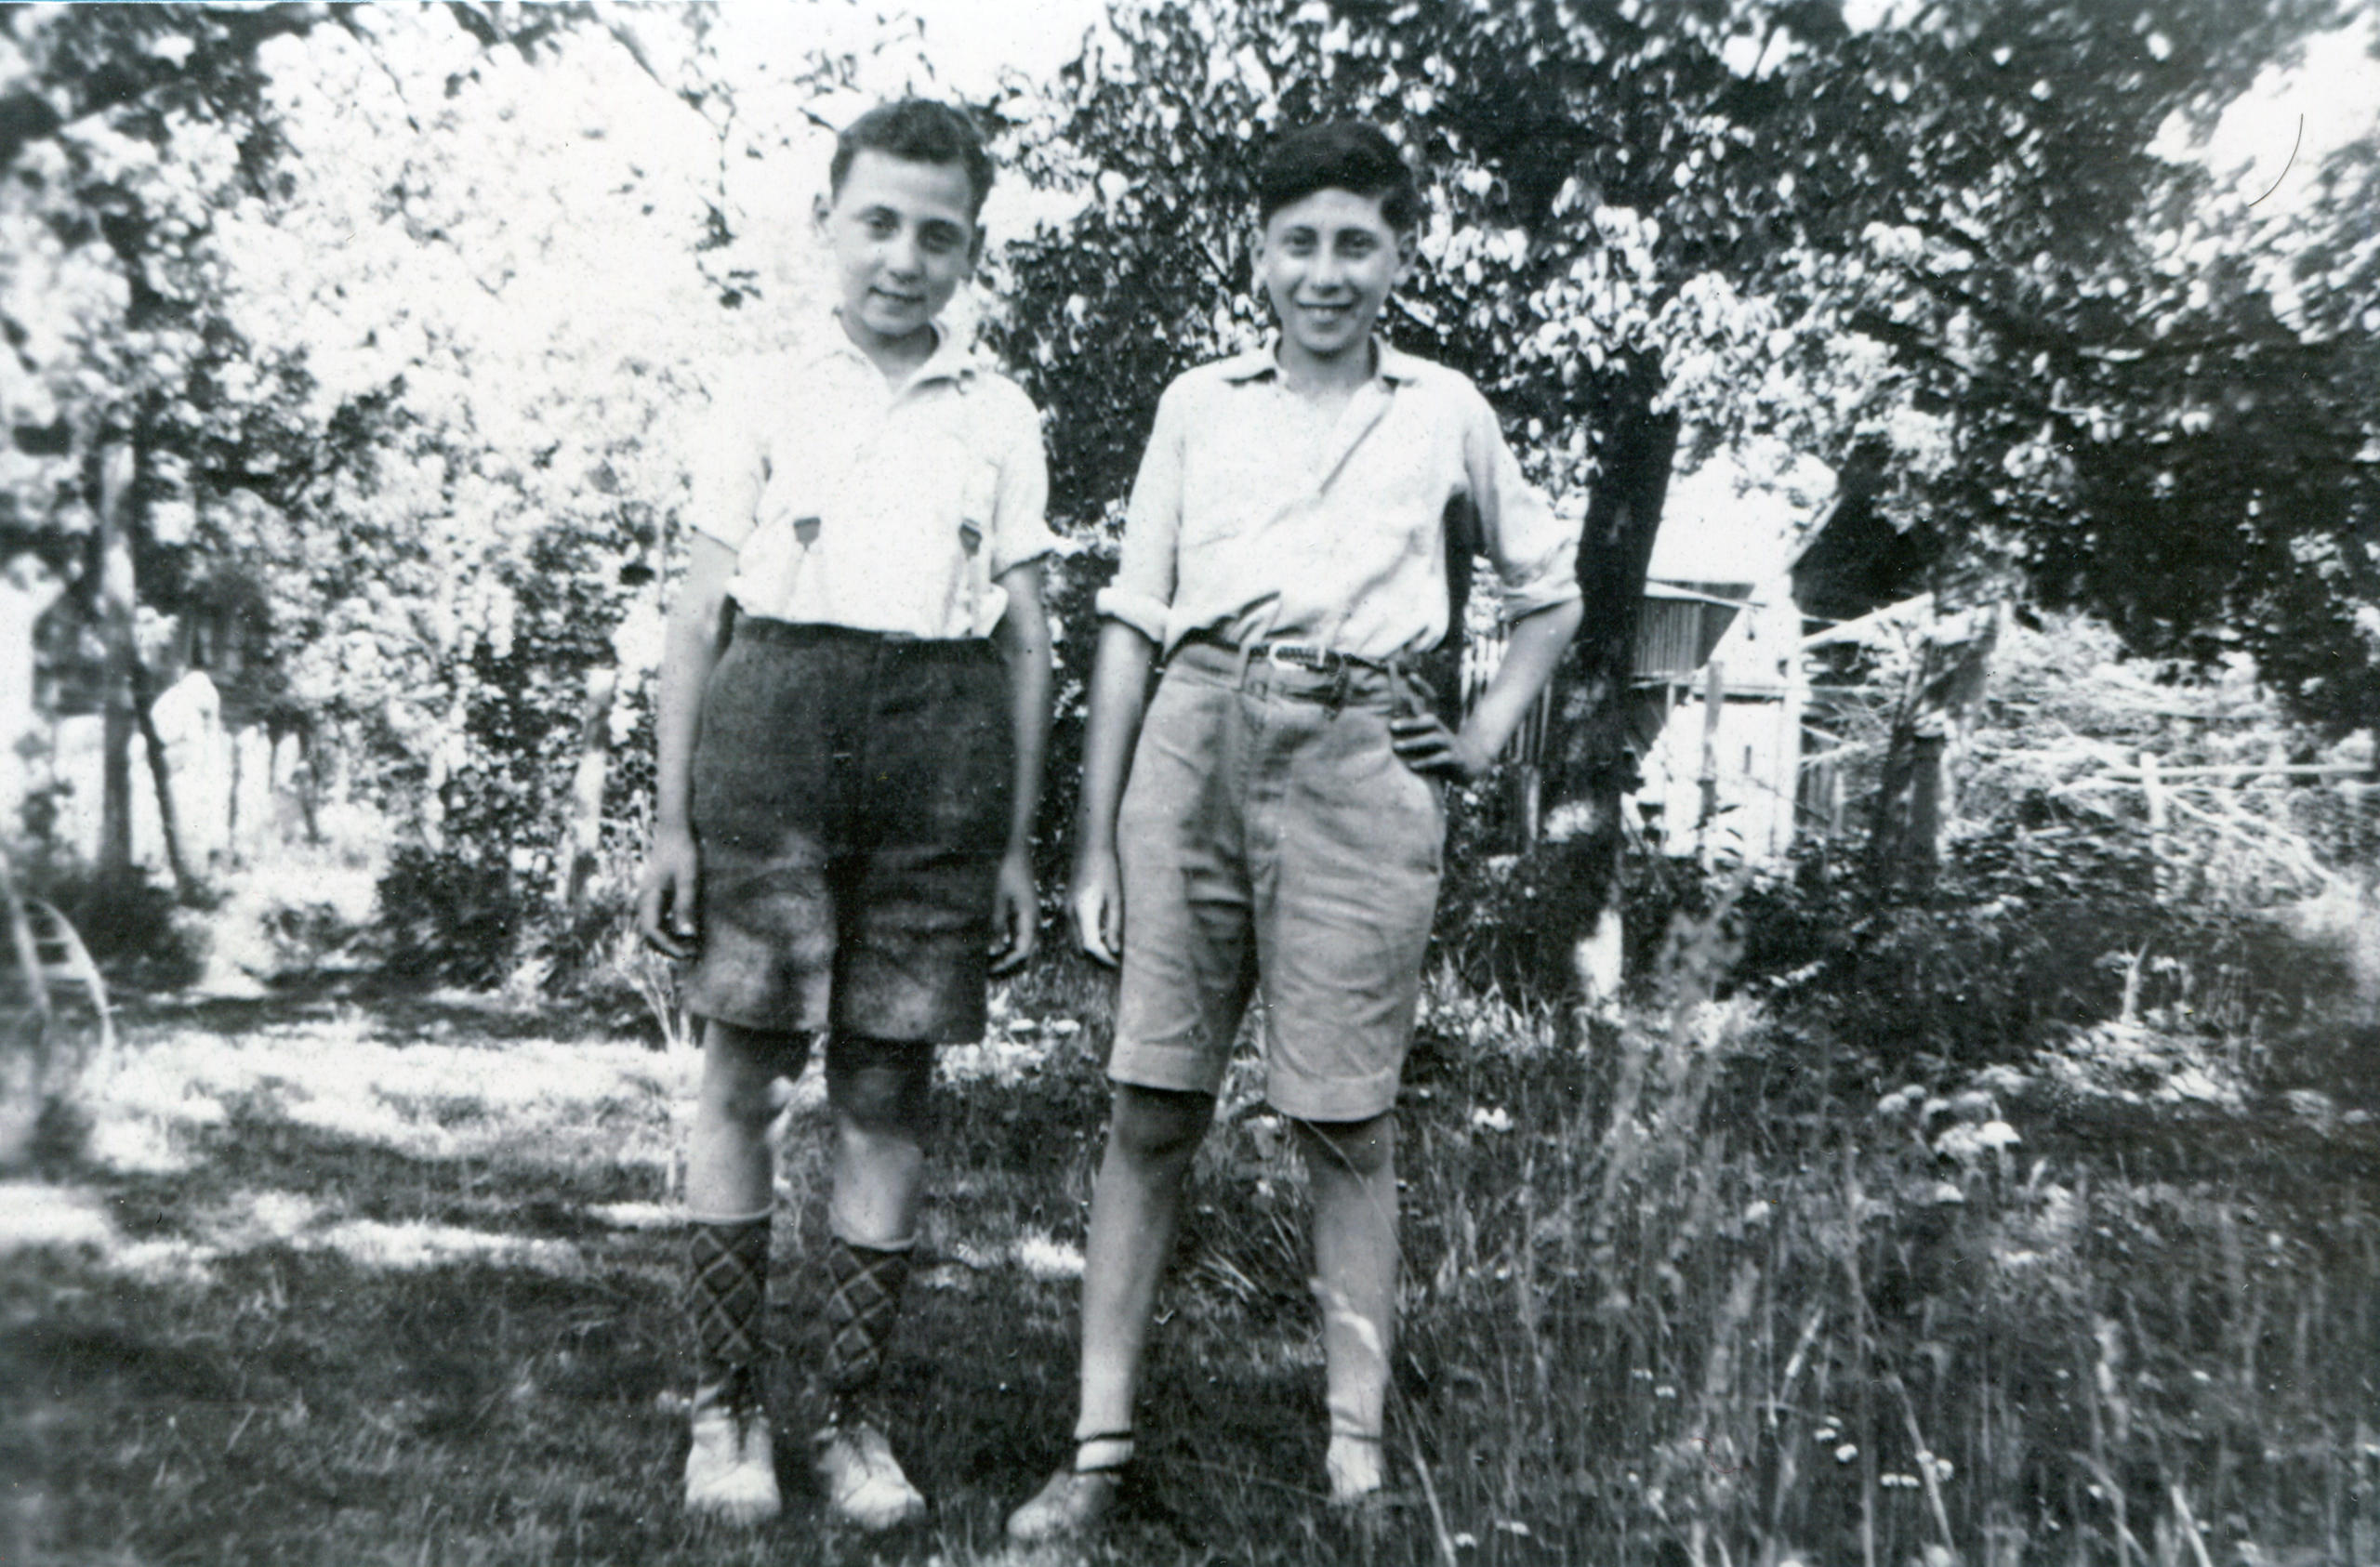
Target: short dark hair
(1351,155)
(917,130)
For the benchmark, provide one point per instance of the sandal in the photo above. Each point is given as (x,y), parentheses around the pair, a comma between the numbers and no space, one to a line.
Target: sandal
(1074,1501)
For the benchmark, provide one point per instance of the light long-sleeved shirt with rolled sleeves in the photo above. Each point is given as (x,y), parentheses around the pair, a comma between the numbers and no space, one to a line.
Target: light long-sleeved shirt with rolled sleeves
(1251,521)
(852,503)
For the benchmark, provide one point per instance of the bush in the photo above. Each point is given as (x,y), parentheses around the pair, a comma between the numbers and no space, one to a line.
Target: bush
(450,916)
(2025,932)
(132,928)
(1511,922)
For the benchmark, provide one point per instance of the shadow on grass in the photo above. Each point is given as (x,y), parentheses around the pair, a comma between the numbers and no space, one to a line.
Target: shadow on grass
(254,1152)
(394,1013)
(1665,1294)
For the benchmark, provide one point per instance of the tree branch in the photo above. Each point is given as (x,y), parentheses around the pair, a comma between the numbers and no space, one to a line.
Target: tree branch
(29,116)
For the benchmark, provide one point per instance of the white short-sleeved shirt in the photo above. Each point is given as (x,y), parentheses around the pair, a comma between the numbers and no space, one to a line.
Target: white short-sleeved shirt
(852,503)
(1248,521)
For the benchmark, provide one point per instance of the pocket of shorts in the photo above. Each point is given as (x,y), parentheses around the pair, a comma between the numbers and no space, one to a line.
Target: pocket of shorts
(1428,794)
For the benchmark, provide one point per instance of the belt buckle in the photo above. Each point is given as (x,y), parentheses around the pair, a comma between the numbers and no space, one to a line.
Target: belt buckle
(1317,661)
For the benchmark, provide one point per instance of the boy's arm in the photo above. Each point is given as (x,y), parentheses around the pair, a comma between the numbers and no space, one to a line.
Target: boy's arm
(1535,555)
(1118,690)
(1534,649)
(667,905)
(1023,636)
(1133,609)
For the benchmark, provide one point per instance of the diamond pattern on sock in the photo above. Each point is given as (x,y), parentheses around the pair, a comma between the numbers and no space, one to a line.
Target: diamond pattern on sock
(727,1292)
(862,1300)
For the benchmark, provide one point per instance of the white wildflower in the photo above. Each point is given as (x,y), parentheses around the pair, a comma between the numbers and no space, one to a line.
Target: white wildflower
(1047,1259)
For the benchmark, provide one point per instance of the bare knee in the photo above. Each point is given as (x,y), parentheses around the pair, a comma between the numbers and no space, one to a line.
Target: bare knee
(740,1070)
(880,1087)
(1157,1125)
(1363,1149)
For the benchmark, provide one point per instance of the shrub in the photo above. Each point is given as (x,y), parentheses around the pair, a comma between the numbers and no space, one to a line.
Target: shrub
(2026,931)
(449,916)
(132,927)
(1511,922)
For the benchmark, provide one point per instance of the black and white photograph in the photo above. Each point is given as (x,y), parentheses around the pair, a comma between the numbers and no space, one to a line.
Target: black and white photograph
(1012,782)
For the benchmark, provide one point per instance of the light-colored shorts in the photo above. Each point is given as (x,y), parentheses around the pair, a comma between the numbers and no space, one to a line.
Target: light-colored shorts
(1271,842)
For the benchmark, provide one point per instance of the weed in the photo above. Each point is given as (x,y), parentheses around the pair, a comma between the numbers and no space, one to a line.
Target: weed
(1676,1290)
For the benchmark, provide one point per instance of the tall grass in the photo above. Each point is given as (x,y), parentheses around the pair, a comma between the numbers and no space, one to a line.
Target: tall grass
(1684,1284)
(1702,1304)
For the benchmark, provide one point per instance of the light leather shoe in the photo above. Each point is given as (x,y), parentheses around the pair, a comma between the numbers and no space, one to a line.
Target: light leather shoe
(1357,1467)
(1072,1503)
(863,1483)
(731,1469)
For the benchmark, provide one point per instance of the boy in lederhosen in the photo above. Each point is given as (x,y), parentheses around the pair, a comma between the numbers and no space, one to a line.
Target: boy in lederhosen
(853,708)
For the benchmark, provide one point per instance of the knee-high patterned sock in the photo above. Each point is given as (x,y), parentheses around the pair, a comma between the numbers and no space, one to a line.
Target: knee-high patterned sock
(862,1300)
(727,1290)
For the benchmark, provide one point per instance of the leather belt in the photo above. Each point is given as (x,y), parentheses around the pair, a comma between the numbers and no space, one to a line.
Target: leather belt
(1308,656)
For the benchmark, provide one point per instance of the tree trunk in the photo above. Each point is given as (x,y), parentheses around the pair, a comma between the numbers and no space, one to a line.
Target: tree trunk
(582,834)
(27,950)
(161,777)
(127,683)
(1915,797)
(1599,762)
(118,596)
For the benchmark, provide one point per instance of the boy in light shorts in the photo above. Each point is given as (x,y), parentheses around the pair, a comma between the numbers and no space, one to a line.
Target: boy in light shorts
(853,702)
(1285,552)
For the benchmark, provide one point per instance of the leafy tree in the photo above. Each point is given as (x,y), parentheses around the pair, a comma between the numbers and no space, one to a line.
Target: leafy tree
(492,256)
(124,131)
(224,281)
(2103,402)
(1922,249)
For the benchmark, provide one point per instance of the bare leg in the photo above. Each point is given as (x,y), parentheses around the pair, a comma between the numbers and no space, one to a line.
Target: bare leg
(877,1091)
(730,1470)
(728,1168)
(1151,1136)
(1351,1166)
(1134,1206)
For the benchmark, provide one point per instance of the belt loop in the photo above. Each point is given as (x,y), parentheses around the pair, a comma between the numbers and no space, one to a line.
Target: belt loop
(1252,639)
(1239,666)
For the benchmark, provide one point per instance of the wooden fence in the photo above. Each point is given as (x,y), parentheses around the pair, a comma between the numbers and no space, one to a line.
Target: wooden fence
(2210,796)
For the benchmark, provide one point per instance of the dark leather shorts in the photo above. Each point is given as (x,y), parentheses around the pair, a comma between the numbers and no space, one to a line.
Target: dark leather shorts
(851,802)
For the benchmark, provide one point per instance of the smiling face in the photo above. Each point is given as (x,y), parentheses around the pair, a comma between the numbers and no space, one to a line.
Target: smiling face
(1327,261)
(903,237)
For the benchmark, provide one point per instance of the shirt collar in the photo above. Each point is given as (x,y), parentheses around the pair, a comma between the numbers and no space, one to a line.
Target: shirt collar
(951,361)
(1394,365)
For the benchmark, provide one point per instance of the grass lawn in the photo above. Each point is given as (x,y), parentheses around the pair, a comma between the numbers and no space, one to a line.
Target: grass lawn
(343,1282)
